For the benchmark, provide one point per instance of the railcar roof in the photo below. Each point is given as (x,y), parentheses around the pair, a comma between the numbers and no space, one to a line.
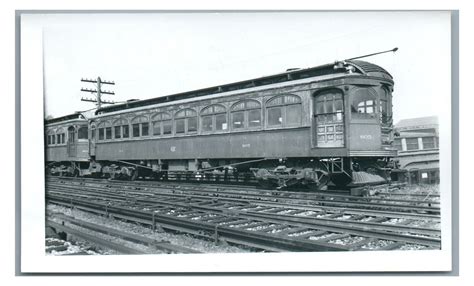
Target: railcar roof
(64,118)
(360,66)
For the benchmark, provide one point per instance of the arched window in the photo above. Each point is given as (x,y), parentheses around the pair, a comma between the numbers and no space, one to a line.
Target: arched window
(246,114)
(364,103)
(82,132)
(121,128)
(105,131)
(60,136)
(71,135)
(140,126)
(213,118)
(185,121)
(51,137)
(329,114)
(284,110)
(162,124)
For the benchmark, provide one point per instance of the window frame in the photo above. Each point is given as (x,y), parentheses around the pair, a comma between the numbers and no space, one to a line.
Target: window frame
(212,112)
(235,109)
(119,124)
(433,142)
(60,134)
(87,133)
(284,102)
(139,120)
(101,130)
(414,139)
(162,118)
(185,117)
(370,95)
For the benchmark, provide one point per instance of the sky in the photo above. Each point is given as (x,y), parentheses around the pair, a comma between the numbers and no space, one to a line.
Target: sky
(152,55)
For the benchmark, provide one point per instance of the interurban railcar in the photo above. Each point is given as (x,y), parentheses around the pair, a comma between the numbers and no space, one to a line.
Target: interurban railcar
(331,122)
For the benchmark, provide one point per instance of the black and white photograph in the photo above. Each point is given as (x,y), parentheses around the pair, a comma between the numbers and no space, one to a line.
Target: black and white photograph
(220,141)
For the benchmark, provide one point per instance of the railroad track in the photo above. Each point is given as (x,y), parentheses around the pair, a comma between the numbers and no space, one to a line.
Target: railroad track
(328,200)
(273,226)
(384,202)
(111,238)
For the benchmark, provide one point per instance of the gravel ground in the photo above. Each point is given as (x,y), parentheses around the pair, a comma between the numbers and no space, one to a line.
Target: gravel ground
(55,246)
(177,239)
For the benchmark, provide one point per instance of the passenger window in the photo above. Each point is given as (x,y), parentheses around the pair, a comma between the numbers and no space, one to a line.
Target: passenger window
(284,110)
(293,114)
(221,122)
(105,130)
(108,133)
(161,123)
(167,127)
(246,114)
(186,121)
(274,116)
(125,131)
(214,118)
(192,124)
(363,104)
(82,133)
(140,126)
(145,129)
(237,120)
(117,131)
(384,108)
(136,130)
(255,118)
(157,128)
(121,128)
(207,123)
(180,125)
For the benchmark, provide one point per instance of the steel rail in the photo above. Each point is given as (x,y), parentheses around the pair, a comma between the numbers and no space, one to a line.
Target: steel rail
(254,239)
(313,207)
(322,201)
(94,239)
(309,221)
(234,189)
(155,244)
(354,230)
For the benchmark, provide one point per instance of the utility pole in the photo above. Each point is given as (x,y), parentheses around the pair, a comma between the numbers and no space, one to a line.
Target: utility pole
(98,91)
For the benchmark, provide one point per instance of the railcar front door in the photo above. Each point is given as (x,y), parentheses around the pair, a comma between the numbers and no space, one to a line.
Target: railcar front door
(328,120)
(71,142)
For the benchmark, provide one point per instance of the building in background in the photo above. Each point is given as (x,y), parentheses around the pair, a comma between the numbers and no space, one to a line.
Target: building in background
(418,150)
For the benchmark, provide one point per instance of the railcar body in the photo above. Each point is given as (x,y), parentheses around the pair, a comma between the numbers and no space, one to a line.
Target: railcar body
(311,125)
(66,144)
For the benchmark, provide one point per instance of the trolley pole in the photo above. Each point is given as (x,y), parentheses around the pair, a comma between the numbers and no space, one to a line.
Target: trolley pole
(98,91)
